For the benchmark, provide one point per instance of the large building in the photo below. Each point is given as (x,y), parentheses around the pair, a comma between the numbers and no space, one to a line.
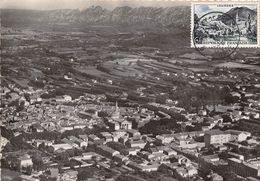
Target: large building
(221,137)
(243,169)
(23,162)
(117,121)
(216,137)
(252,125)
(238,135)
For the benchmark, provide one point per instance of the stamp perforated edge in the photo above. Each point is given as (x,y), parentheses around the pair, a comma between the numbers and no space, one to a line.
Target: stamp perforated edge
(193,3)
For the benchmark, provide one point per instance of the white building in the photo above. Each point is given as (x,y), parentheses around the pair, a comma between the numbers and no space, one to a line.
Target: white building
(64,146)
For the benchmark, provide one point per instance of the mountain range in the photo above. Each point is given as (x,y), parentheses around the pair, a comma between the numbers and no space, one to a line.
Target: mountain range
(171,16)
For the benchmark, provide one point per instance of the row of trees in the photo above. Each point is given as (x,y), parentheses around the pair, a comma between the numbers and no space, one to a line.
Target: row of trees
(190,97)
(164,126)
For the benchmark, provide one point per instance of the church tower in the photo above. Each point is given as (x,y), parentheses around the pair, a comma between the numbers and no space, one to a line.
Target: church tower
(117,109)
(237,18)
(116,114)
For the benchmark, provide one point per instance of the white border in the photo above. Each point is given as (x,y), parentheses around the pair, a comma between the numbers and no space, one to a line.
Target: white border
(257,3)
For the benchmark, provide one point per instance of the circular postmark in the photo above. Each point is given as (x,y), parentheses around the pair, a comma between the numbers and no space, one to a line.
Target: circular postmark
(216,35)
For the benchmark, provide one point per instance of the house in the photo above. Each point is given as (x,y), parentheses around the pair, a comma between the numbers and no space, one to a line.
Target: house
(118,134)
(182,160)
(133,133)
(67,98)
(191,170)
(106,151)
(53,172)
(182,173)
(49,126)
(93,137)
(202,112)
(65,140)
(134,165)
(66,128)
(69,175)
(149,168)
(79,126)
(215,177)
(35,98)
(36,128)
(106,136)
(123,139)
(88,155)
(169,151)
(120,158)
(154,150)
(64,146)
(103,165)
(146,155)
(99,142)
(4,91)
(165,138)
(45,142)
(235,155)
(130,151)
(115,138)
(79,142)
(222,147)
(23,162)
(83,137)
(135,143)
(238,135)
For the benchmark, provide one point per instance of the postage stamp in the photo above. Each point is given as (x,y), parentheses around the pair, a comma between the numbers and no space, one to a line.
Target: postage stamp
(225,25)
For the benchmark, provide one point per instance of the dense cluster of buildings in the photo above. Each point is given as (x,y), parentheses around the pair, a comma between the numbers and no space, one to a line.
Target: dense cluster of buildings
(89,136)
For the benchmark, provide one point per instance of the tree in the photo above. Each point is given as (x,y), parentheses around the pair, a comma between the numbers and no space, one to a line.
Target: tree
(74,163)
(8,134)
(257,149)
(223,155)
(37,161)
(63,157)
(42,146)
(74,132)
(161,99)
(230,176)
(71,152)
(49,149)
(245,143)
(226,118)
(17,179)
(85,174)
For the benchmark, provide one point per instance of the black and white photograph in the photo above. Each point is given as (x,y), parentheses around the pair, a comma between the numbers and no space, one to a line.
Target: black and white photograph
(129,90)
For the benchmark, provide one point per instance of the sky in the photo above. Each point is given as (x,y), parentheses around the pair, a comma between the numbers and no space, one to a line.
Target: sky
(201,9)
(83,4)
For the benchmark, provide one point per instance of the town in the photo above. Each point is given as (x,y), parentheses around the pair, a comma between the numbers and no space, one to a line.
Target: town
(98,105)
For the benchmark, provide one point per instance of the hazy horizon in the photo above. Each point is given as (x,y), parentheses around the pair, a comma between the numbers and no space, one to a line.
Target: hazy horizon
(83,4)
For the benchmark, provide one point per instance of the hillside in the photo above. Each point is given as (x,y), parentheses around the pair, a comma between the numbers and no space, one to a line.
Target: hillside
(242,12)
